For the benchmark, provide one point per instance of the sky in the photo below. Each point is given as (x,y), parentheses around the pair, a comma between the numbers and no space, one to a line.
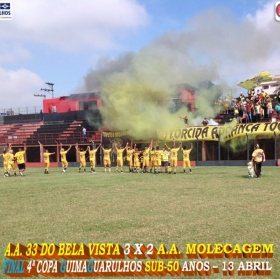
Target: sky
(78,46)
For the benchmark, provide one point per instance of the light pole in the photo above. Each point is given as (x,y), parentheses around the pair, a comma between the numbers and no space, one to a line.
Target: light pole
(50,89)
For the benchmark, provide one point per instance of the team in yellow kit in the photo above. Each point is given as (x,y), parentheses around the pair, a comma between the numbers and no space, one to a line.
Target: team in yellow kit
(162,160)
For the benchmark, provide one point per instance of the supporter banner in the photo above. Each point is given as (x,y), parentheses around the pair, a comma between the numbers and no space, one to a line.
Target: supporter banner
(212,133)
(112,137)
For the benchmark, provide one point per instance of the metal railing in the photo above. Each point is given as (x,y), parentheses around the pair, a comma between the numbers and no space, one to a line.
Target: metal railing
(21,110)
(49,138)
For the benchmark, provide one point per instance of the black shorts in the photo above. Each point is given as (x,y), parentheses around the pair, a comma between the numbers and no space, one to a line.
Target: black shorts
(21,166)
(164,163)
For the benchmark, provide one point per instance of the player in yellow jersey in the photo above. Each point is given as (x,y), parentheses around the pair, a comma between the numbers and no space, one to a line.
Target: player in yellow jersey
(46,156)
(21,160)
(6,159)
(146,158)
(136,162)
(120,157)
(82,155)
(164,160)
(186,158)
(13,162)
(63,158)
(153,158)
(173,156)
(106,158)
(129,155)
(158,154)
(92,157)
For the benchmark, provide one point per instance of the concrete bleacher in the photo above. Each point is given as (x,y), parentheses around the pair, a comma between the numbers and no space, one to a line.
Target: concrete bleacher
(17,133)
(67,132)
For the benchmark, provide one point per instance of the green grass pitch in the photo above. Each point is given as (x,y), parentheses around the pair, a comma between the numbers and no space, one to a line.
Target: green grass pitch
(212,205)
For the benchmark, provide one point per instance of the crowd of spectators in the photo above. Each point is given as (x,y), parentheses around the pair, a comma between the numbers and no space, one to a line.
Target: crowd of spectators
(254,106)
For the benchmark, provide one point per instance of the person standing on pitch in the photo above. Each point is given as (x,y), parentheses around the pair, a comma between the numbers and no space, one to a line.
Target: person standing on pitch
(129,159)
(146,158)
(21,160)
(46,157)
(92,157)
(120,157)
(82,155)
(6,157)
(173,156)
(63,159)
(106,158)
(258,157)
(186,158)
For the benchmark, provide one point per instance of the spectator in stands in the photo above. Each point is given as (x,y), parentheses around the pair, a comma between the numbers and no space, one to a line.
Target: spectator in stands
(269,107)
(186,120)
(236,110)
(278,96)
(249,110)
(277,109)
(84,134)
(41,115)
(258,112)
(205,122)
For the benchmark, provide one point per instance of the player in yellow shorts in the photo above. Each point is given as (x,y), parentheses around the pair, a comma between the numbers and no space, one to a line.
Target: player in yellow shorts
(136,162)
(186,158)
(82,155)
(107,158)
(13,161)
(146,158)
(46,156)
(63,158)
(92,157)
(164,160)
(6,158)
(158,155)
(153,158)
(21,160)
(120,157)
(129,155)
(174,156)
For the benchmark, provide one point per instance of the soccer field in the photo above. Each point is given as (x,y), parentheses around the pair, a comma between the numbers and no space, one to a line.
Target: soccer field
(212,205)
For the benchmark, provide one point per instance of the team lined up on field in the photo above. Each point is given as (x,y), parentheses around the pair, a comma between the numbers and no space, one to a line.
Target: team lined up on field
(151,159)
